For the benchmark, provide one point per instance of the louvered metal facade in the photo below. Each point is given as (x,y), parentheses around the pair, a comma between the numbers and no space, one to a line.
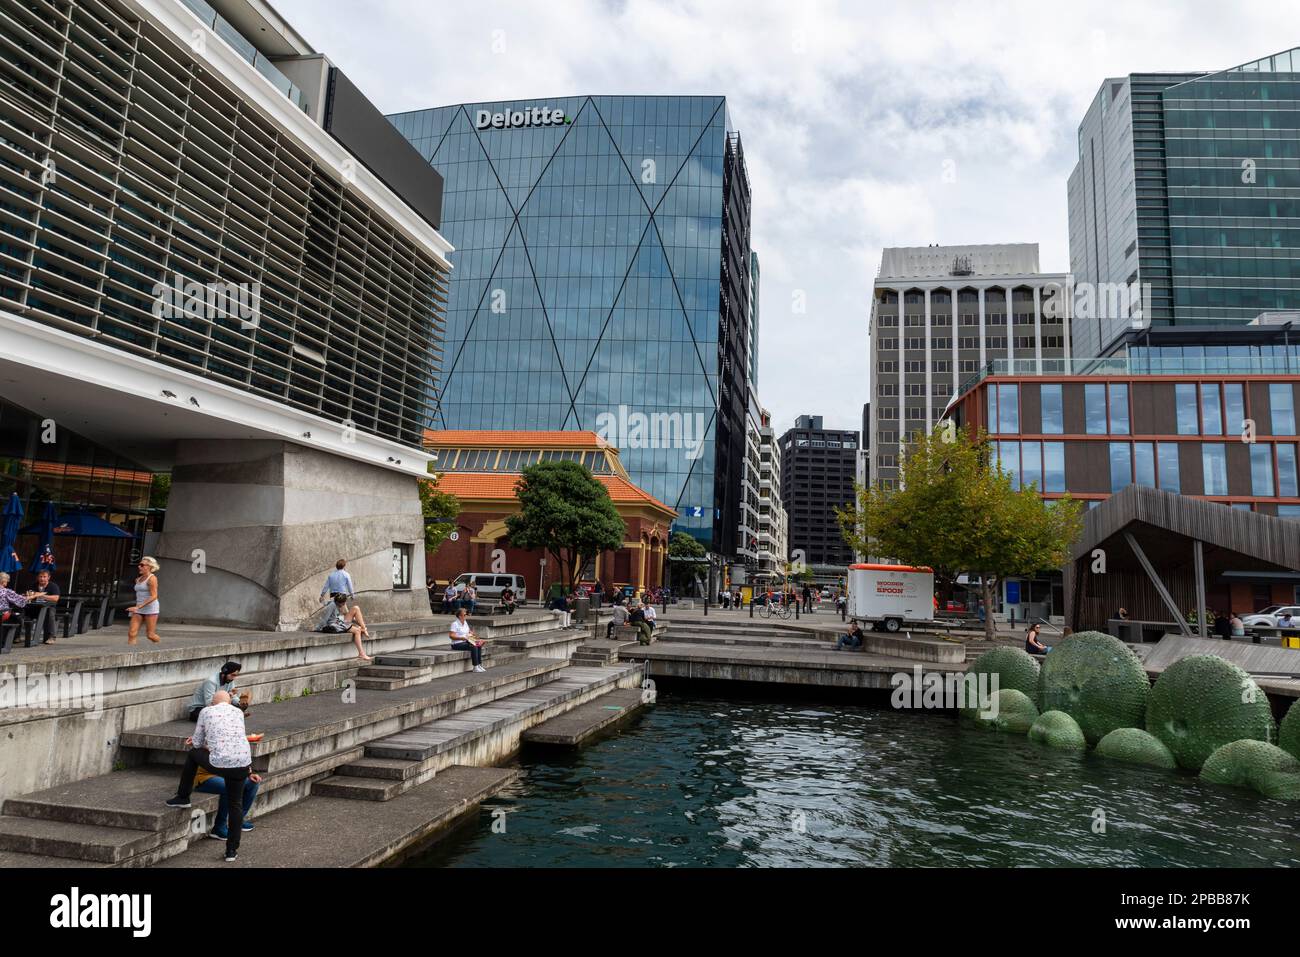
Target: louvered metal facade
(126,162)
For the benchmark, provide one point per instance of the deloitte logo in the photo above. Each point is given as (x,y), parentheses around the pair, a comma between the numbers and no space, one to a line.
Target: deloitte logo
(514,119)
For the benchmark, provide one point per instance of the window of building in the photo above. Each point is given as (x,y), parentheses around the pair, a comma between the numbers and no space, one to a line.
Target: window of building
(1053,417)
(1234,408)
(1053,466)
(1008,408)
(1261,470)
(1211,412)
(1094,408)
(1167,460)
(402,565)
(1144,464)
(1118,408)
(1185,400)
(1281,401)
(1121,466)
(1031,463)
(1286,471)
(1290,511)
(1214,463)
(1009,456)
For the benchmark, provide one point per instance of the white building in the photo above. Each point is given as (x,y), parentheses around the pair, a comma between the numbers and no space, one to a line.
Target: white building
(941,314)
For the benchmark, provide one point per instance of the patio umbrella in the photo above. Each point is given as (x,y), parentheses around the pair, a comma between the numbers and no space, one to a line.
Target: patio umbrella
(13,516)
(79,525)
(44,561)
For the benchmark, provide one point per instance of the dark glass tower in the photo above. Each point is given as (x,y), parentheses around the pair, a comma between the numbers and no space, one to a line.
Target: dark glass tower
(602,267)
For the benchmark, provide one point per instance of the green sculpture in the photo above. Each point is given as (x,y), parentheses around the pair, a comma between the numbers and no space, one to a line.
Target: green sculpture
(1136,747)
(1056,729)
(1097,681)
(1203,702)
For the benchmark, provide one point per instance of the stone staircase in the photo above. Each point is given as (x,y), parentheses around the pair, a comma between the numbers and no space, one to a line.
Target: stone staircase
(392,728)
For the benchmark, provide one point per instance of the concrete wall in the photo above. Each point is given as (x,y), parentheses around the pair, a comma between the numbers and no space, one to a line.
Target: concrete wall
(271,519)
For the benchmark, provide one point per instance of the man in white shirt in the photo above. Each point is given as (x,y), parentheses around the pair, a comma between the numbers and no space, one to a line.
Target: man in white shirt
(219,746)
(647,627)
(339,582)
(464,639)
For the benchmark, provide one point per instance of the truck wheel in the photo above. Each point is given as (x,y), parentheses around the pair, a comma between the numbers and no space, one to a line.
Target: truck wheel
(892,624)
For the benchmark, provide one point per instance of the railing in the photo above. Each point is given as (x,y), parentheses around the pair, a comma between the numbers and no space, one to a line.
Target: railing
(240,44)
(1137,365)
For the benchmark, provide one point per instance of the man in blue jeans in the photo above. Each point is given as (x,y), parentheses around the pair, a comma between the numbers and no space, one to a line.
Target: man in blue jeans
(850,639)
(215,784)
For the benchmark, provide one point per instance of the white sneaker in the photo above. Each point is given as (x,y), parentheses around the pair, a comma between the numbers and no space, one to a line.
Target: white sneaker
(479,668)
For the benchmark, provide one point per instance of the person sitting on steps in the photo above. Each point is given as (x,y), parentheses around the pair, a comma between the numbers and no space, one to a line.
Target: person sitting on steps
(620,618)
(339,619)
(223,680)
(1032,645)
(463,639)
(851,638)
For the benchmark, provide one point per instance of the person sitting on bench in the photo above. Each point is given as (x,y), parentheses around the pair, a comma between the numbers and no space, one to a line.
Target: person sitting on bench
(339,619)
(46,591)
(508,600)
(9,600)
(851,638)
(620,618)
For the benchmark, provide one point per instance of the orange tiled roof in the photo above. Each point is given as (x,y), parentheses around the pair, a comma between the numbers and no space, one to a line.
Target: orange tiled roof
(478,438)
(501,485)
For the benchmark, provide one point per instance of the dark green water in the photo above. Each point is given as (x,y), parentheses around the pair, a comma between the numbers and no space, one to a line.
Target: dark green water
(724,782)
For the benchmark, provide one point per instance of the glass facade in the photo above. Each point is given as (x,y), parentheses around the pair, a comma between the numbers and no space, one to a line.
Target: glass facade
(1232,150)
(602,268)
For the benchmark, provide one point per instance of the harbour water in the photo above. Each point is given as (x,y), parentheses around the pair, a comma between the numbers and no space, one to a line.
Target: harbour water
(708,781)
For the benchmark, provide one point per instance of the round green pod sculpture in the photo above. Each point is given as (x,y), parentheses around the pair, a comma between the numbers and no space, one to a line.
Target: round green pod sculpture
(1014,667)
(1097,681)
(1251,764)
(1282,785)
(1203,702)
(1288,735)
(1015,713)
(1056,729)
(1136,747)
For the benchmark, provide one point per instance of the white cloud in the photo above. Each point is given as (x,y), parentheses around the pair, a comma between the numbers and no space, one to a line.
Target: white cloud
(848,112)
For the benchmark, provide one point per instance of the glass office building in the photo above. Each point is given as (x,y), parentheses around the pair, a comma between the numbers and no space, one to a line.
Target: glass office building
(602,269)
(1189,183)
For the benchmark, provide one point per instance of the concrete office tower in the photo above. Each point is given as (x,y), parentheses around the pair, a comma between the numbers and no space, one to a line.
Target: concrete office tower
(818,467)
(753,319)
(940,314)
(1186,183)
(603,269)
(218,260)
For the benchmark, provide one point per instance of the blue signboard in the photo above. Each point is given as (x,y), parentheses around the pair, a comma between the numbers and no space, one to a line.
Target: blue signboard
(1013,593)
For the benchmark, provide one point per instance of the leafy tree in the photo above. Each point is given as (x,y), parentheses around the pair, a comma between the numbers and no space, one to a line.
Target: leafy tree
(160,490)
(566,513)
(682,545)
(955,512)
(443,508)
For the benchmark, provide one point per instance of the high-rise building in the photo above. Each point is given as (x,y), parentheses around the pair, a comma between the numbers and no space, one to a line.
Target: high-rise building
(1187,184)
(818,467)
(939,315)
(773,524)
(753,319)
(216,261)
(602,282)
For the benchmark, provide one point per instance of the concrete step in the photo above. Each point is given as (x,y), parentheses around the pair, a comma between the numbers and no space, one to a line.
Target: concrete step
(360,833)
(586,721)
(553,643)
(80,842)
(487,733)
(315,726)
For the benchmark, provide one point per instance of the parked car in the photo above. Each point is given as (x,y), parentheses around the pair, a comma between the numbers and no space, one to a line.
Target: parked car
(1268,617)
(491,585)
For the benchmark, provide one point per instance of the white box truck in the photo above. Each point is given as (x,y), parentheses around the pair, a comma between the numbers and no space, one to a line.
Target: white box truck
(890,596)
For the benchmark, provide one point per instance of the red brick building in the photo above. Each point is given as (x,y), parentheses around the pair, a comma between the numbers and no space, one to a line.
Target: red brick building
(481,469)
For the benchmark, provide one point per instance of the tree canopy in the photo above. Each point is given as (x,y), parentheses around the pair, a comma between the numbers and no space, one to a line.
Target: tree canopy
(684,546)
(567,513)
(956,512)
(440,512)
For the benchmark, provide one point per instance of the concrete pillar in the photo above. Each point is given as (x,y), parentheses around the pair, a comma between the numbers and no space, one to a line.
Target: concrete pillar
(270,519)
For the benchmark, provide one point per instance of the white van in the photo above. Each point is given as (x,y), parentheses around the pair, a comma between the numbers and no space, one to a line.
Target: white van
(490,585)
(891,596)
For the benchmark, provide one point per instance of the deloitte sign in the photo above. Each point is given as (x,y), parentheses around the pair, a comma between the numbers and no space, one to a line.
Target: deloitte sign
(514,119)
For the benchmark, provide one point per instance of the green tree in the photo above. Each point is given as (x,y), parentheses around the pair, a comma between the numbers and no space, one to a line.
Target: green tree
(160,490)
(440,512)
(954,512)
(567,513)
(684,546)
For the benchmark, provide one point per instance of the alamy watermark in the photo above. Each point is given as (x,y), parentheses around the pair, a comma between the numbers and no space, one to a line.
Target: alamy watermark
(626,429)
(943,691)
(54,689)
(210,300)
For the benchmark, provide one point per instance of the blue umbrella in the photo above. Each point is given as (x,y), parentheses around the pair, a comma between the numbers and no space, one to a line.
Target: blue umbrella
(76,525)
(13,515)
(44,561)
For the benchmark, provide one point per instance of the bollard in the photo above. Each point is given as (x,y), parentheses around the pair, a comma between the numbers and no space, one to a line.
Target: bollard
(796,611)
(751,606)
(844,612)
(706,606)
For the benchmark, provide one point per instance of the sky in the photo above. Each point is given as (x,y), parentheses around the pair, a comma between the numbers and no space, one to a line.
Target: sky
(865,124)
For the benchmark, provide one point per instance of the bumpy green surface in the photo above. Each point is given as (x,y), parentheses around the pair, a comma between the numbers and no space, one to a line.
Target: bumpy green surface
(1136,747)
(1056,729)
(1246,763)
(1097,681)
(1283,785)
(1014,667)
(1203,702)
(1288,735)
(1016,713)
